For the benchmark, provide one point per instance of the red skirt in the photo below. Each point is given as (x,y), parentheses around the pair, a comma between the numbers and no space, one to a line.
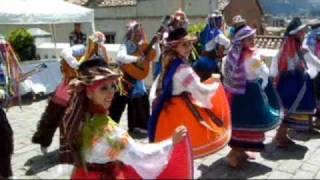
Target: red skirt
(180,166)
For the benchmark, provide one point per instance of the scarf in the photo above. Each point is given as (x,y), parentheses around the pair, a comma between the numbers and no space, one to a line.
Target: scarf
(164,97)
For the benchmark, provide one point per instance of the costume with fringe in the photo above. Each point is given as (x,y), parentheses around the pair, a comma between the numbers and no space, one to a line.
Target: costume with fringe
(55,110)
(100,149)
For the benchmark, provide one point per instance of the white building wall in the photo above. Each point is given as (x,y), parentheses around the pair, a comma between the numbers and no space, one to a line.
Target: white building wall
(114,19)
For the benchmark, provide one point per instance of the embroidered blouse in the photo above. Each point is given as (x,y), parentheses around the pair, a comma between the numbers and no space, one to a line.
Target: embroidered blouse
(312,62)
(125,57)
(255,68)
(103,141)
(186,80)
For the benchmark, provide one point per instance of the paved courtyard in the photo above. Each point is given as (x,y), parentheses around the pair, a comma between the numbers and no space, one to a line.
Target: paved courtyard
(299,161)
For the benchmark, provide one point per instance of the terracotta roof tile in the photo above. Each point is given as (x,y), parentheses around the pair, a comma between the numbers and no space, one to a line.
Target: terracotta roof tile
(268,42)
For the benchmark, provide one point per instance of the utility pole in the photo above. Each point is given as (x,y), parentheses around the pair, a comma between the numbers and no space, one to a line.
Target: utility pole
(182,5)
(210,7)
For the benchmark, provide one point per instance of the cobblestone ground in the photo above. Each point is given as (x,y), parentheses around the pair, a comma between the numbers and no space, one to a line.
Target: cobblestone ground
(299,161)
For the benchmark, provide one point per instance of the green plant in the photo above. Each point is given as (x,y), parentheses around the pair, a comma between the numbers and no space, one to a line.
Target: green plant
(23,43)
(195,30)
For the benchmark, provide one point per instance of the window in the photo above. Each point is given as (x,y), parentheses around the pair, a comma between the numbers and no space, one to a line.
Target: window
(110,37)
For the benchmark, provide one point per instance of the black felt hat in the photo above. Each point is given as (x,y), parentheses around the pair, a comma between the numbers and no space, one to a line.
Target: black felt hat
(295,26)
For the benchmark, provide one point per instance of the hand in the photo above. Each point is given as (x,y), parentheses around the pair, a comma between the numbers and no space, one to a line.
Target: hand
(216,77)
(179,134)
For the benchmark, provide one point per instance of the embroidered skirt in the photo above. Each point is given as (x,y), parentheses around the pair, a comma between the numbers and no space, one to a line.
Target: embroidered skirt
(206,135)
(253,113)
(296,91)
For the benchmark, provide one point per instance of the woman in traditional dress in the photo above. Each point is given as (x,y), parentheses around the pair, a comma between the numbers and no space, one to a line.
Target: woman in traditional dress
(215,45)
(294,68)
(254,105)
(70,60)
(312,42)
(183,100)
(103,150)
(6,133)
(136,97)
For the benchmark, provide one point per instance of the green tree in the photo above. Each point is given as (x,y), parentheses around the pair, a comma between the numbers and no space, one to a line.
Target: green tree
(195,30)
(23,43)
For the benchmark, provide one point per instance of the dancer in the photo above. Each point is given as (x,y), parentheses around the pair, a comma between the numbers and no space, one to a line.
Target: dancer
(70,59)
(215,45)
(6,133)
(294,68)
(254,104)
(101,149)
(183,100)
(312,42)
(130,56)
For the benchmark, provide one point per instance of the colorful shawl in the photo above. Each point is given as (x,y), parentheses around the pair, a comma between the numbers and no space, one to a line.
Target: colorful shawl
(164,97)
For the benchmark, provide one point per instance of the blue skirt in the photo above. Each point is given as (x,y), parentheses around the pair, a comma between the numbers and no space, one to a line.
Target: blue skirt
(289,86)
(258,110)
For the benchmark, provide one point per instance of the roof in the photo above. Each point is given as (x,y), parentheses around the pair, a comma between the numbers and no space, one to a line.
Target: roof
(105,3)
(268,42)
(38,32)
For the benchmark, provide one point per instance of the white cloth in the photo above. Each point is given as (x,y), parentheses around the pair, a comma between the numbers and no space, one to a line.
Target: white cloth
(124,58)
(256,69)
(67,55)
(149,160)
(221,39)
(186,80)
(313,63)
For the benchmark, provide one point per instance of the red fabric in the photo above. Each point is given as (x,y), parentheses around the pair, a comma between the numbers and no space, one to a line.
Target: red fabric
(181,162)
(318,49)
(289,50)
(248,136)
(62,94)
(123,172)
(180,166)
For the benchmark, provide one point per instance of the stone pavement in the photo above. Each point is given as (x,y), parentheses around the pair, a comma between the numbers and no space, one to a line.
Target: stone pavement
(300,161)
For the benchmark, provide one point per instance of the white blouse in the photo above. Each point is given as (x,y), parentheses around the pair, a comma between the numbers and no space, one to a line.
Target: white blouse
(256,69)
(313,63)
(149,160)
(124,58)
(186,80)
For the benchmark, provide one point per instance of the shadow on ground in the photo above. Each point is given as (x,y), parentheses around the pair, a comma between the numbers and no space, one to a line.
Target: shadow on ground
(220,170)
(30,98)
(294,151)
(41,163)
(304,135)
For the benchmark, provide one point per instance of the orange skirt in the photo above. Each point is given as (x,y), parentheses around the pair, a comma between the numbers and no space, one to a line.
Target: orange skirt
(204,139)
